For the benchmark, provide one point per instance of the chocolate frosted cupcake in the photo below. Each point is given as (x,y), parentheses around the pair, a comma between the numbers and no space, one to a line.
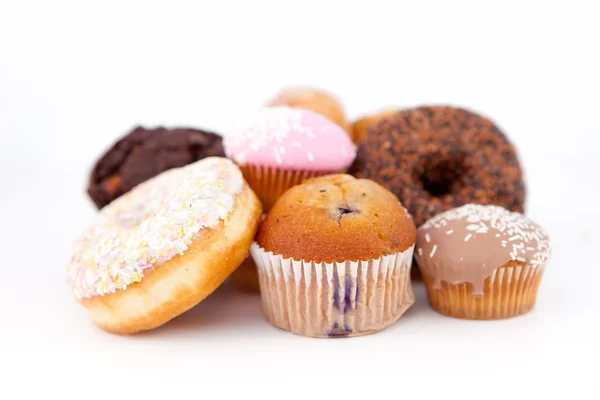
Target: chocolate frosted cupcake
(482,262)
(334,256)
(144,153)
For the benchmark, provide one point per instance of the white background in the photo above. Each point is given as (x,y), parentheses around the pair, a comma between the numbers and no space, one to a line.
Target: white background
(75,76)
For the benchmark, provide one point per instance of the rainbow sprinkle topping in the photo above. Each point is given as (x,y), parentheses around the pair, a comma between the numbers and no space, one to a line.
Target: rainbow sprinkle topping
(151,224)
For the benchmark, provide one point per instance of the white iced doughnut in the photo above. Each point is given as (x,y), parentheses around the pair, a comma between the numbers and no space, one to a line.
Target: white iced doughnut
(138,265)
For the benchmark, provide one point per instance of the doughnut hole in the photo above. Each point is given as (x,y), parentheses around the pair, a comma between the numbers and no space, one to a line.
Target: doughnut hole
(441,174)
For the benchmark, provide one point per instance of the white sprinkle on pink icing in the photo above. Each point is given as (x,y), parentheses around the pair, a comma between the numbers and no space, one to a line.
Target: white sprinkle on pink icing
(154,222)
(290,138)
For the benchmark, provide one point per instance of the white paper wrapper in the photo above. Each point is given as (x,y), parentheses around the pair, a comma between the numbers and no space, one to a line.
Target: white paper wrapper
(350,298)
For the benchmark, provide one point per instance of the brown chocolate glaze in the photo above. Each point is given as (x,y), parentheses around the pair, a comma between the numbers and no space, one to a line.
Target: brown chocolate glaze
(438,158)
(144,153)
(467,244)
(337,218)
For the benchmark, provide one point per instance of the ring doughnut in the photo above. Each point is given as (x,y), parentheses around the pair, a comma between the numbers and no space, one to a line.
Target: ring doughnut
(438,158)
(161,248)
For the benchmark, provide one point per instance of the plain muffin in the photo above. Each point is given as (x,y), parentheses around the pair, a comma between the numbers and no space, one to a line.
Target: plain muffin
(316,100)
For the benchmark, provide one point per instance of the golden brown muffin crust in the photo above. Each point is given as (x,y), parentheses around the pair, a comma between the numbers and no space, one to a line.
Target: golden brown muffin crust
(337,218)
(315,100)
(361,126)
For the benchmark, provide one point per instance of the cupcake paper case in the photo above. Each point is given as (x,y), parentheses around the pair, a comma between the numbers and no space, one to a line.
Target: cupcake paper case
(482,262)
(334,257)
(280,147)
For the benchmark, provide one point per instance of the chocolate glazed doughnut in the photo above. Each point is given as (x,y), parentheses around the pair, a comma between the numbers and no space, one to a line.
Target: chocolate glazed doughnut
(438,158)
(144,153)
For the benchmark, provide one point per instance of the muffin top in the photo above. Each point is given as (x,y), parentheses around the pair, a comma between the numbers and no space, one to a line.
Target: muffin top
(362,125)
(313,99)
(337,218)
(467,243)
(290,138)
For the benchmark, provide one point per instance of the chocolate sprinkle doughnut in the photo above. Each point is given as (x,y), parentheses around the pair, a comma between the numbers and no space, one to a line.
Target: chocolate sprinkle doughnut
(144,153)
(438,158)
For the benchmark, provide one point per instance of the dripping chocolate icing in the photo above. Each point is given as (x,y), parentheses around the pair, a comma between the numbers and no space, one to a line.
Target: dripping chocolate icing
(467,244)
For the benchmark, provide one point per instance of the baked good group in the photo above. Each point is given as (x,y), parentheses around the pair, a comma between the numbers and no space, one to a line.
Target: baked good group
(326,219)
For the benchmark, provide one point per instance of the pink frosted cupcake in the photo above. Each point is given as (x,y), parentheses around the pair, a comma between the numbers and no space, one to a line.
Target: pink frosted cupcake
(280,147)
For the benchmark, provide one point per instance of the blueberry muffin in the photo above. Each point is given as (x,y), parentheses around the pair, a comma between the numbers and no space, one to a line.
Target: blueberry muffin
(334,257)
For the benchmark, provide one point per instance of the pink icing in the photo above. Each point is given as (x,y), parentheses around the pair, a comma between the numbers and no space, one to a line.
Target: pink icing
(290,138)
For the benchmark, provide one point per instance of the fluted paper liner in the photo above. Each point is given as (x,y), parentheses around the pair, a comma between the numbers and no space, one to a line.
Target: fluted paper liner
(270,183)
(338,299)
(509,292)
